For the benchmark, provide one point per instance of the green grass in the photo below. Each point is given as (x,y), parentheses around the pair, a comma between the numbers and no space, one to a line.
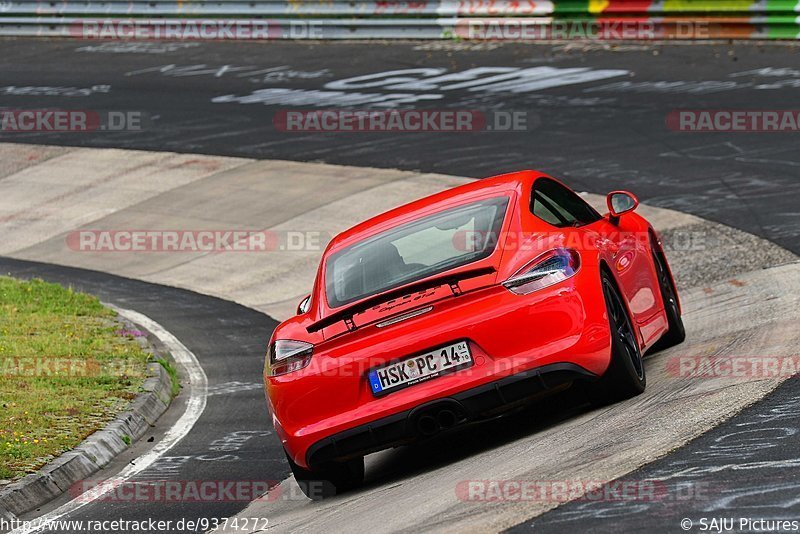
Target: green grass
(173,375)
(66,370)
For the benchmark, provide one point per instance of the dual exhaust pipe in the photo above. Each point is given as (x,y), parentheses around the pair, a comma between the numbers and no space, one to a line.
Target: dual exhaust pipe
(433,422)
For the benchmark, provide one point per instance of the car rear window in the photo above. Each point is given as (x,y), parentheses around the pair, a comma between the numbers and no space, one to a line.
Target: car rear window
(415,250)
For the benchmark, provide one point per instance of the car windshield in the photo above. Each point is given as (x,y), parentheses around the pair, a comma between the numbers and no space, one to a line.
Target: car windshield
(415,250)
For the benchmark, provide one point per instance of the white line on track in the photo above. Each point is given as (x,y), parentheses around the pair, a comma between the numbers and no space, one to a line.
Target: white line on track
(198,392)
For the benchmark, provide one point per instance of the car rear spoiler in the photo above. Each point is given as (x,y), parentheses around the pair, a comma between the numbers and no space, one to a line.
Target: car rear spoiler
(347,314)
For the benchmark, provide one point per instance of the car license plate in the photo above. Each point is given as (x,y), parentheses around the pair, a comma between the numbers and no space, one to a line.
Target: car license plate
(420,368)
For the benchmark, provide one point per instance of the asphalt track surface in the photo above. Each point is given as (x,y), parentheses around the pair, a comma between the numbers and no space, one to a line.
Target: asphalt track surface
(598,135)
(744,468)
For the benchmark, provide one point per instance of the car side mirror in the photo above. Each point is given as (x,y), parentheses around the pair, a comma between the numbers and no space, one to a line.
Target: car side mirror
(304,305)
(619,203)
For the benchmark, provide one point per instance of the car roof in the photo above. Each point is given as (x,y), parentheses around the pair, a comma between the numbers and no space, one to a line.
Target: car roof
(496,185)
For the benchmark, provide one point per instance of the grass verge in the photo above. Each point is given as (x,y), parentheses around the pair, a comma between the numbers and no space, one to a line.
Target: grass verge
(173,375)
(67,368)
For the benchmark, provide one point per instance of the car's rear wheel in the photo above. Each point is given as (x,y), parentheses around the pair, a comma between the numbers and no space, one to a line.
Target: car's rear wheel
(625,376)
(330,479)
(676,333)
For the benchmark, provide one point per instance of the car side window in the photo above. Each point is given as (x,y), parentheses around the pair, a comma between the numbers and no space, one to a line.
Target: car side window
(559,206)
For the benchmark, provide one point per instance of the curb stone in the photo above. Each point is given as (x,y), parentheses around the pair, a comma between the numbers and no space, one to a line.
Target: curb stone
(101,447)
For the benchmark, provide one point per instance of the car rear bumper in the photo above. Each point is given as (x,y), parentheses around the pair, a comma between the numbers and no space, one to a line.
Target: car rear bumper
(428,418)
(508,335)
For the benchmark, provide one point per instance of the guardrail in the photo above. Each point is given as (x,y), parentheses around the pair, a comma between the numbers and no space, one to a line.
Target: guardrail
(409,19)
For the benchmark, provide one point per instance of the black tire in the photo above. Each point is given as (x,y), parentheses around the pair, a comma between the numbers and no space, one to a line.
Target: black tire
(625,376)
(676,333)
(329,480)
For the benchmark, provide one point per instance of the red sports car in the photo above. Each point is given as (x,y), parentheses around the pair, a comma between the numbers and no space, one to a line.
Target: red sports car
(459,307)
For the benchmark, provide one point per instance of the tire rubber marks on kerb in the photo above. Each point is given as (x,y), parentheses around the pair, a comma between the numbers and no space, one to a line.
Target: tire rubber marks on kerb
(197,388)
(407,86)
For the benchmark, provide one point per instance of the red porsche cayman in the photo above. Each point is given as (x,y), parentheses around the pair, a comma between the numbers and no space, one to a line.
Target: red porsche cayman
(459,307)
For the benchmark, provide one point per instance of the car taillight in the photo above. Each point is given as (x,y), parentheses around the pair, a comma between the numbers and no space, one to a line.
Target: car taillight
(286,355)
(550,268)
